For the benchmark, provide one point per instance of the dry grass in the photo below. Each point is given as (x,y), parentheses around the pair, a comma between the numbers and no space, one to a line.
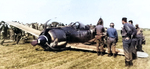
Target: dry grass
(26,57)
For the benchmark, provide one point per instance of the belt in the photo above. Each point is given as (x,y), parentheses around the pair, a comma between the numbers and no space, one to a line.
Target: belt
(124,37)
(111,37)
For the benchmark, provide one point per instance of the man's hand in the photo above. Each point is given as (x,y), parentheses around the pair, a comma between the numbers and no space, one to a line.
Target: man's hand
(116,40)
(131,36)
(127,38)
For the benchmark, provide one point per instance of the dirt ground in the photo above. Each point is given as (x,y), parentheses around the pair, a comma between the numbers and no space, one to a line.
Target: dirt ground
(25,56)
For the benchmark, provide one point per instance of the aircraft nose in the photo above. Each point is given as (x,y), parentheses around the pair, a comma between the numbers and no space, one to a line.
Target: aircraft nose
(40,41)
(34,43)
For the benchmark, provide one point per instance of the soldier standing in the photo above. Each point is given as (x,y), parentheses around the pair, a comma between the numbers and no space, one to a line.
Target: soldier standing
(133,44)
(128,33)
(18,34)
(112,40)
(41,27)
(140,38)
(131,22)
(34,27)
(4,28)
(100,37)
(12,34)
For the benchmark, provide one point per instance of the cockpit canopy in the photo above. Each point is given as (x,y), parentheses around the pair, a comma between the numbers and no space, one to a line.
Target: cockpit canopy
(78,25)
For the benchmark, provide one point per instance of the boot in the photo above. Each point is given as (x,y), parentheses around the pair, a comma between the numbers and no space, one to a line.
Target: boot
(109,55)
(141,50)
(102,53)
(114,55)
(98,53)
(130,63)
(127,63)
(2,42)
(134,56)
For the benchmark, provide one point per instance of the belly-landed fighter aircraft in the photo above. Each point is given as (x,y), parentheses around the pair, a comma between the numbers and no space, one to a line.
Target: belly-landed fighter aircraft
(57,38)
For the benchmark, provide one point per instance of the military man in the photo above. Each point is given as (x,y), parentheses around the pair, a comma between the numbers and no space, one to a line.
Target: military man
(131,22)
(91,26)
(140,38)
(18,34)
(34,27)
(12,34)
(4,28)
(112,40)
(128,33)
(133,43)
(100,37)
(41,27)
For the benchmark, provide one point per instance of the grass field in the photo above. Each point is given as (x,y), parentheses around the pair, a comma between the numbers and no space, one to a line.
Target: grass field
(24,56)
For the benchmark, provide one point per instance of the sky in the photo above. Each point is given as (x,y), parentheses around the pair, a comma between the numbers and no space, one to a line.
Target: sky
(84,11)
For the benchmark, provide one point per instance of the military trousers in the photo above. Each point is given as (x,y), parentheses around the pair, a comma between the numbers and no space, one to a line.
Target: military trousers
(111,44)
(4,34)
(139,44)
(17,38)
(133,48)
(99,43)
(127,49)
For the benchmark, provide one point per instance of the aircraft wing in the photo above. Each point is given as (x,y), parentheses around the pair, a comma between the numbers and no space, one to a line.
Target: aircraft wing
(25,28)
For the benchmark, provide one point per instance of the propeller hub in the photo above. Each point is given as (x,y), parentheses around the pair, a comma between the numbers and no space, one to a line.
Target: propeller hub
(40,41)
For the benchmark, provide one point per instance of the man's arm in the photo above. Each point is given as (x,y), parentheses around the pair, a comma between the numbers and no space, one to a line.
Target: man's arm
(134,33)
(128,31)
(103,31)
(127,28)
(107,32)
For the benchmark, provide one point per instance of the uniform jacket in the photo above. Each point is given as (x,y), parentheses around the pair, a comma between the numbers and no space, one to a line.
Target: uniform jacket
(128,30)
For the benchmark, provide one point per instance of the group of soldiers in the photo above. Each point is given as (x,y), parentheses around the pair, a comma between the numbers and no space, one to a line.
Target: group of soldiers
(15,34)
(132,38)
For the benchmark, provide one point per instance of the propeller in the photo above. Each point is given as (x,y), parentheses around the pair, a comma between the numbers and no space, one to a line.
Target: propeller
(41,38)
(45,25)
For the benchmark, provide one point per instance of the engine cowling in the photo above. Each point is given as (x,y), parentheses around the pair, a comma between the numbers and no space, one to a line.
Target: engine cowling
(55,39)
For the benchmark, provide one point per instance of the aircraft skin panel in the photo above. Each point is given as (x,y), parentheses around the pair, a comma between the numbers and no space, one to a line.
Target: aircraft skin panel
(25,28)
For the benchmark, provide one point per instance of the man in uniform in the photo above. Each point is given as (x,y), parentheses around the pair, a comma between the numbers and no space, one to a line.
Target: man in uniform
(12,34)
(128,33)
(133,43)
(18,34)
(34,27)
(99,37)
(131,22)
(112,40)
(4,28)
(91,26)
(41,27)
(140,38)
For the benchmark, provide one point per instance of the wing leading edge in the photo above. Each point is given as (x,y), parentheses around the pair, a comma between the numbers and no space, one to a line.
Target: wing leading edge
(25,28)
